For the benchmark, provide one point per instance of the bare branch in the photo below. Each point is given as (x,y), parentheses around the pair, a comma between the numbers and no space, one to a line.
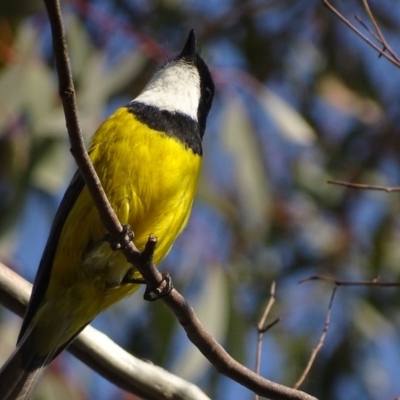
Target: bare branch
(389,56)
(374,282)
(320,342)
(363,186)
(261,328)
(103,355)
(371,32)
(212,350)
(67,94)
(221,360)
(380,37)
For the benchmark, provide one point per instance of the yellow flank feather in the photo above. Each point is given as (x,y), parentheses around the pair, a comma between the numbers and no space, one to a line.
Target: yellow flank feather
(150,180)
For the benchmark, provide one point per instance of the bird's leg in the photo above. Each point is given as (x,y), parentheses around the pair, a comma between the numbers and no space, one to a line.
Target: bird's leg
(130,278)
(124,237)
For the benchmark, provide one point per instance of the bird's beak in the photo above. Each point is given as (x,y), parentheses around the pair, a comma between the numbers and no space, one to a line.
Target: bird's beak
(188,52)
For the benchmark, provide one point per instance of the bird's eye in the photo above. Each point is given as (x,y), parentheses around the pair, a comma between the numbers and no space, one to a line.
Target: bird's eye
(208,94)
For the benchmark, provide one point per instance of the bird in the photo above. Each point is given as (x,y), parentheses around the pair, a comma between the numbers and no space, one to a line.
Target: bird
(148,156)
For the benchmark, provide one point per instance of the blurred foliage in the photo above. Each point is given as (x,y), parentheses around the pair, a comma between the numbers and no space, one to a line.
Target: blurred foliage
(300,100)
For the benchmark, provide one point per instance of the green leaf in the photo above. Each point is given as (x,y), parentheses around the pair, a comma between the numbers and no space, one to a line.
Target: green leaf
(240,140)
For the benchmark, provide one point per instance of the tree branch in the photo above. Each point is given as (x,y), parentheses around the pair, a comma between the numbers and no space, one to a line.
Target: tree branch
(337,282)
(262,328)
(391,55)
(103,355)
(205,342)
(319,344)
(363,186)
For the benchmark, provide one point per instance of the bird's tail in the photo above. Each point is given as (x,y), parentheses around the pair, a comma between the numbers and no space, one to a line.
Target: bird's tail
(20,372)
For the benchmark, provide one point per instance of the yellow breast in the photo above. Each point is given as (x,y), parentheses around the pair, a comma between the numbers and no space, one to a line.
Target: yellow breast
(150,180)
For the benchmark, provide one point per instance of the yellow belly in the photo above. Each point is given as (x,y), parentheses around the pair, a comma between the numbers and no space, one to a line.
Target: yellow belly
(150,180)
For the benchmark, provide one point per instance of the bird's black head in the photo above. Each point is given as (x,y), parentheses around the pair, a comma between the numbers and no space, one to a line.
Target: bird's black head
(182,86)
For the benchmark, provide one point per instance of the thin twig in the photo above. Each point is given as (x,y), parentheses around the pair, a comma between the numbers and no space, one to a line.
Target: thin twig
(320,342)
(368,29)
(381,38)
(373,34)
(364,187)
(261,328)
(374,282)
(395,61)
(204,341)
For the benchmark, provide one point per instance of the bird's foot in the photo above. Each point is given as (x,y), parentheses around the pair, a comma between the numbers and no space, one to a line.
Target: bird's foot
(122,240)
(151,294)
(163,289)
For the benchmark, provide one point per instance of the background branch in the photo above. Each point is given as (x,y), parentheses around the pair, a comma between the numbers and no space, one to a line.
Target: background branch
(363,186)
(320,343)
(262,327)
(391,56)
(337,282)
(186,316)
(103,355)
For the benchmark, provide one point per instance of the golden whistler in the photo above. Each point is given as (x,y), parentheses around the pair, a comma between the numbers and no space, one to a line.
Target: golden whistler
(148,157)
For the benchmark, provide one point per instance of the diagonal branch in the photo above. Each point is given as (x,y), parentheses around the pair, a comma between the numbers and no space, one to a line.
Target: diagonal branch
(391,56)
(318,347)
(379,35)
(103,355)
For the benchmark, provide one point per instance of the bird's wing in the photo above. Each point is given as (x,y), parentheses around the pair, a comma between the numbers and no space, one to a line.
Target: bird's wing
(44,271)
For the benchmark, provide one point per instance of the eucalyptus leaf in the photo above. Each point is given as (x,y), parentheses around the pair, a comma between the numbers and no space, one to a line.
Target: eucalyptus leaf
(80,46)
(240,141)
(289,122)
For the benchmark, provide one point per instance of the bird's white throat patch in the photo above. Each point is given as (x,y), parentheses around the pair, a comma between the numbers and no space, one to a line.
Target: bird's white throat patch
(174,88)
